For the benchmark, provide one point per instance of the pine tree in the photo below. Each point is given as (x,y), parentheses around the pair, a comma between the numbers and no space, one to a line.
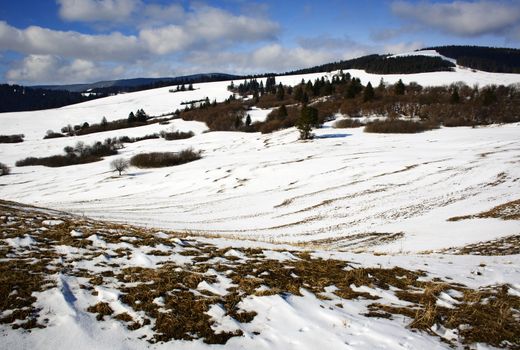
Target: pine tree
(248,120)
(141,116)
(399,88)
(280,92)
(305,98)
(131,118)
(381,87)
(368,94)
(308,119)
(455,98)
(298,93)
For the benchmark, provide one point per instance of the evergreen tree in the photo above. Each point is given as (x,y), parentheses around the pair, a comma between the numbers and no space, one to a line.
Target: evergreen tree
(308,119)
(141,116)
(353,88)
(455,98)
(131,118)
(280,92)
(298,93)
(305,98)
(368,94)
(381,87)
(248,120)
(399,88)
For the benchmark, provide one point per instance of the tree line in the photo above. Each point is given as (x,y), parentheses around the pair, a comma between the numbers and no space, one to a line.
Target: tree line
(17,98)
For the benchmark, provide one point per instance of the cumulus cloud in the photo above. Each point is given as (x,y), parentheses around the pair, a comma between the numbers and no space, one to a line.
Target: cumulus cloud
(43,41)
(49,69)
(464,18)
(197,28)
(154,15)
(97,10)
(206,26)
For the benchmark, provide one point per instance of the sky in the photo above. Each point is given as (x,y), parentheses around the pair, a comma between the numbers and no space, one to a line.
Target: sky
(78,41)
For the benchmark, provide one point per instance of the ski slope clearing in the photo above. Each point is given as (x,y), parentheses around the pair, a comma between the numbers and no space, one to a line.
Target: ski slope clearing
(428,53)
(74,282)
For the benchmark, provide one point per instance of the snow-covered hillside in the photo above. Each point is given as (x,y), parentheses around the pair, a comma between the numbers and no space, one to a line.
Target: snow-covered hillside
(274,237)
(344,189)
(159,101)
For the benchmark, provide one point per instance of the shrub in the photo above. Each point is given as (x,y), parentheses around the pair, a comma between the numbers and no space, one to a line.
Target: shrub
(176,135)
(347,123)
(397,126)
(270,126)
(52,135)
(164,159)
(11,138)
(4,169)
(127,139)
(80,154)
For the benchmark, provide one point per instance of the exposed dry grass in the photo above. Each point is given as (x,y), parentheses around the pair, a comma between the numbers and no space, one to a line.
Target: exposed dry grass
(506,211)
(489,315)
(504,246)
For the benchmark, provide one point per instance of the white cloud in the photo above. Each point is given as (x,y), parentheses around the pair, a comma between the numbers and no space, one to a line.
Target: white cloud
(201,28)
(206,27)
(154,15)
(97,10)
(49,69)
(464,18)
(43,41)
(209,28)
(267,58)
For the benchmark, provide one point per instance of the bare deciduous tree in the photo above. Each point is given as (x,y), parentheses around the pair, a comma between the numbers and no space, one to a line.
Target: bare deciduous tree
(119,165)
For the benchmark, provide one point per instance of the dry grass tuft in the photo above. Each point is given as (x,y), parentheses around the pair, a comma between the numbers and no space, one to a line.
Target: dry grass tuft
(506,211)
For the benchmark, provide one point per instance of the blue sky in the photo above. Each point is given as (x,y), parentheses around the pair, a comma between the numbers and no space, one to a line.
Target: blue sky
(72,41)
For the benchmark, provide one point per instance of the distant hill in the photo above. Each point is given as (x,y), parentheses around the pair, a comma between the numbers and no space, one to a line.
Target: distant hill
(384,64)
(489,59)
(17,98)
(136,84)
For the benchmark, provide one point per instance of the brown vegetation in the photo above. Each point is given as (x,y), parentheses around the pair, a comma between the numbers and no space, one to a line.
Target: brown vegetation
(80,154)
(488,315)
(164,159)
(11,138)
(397,126)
